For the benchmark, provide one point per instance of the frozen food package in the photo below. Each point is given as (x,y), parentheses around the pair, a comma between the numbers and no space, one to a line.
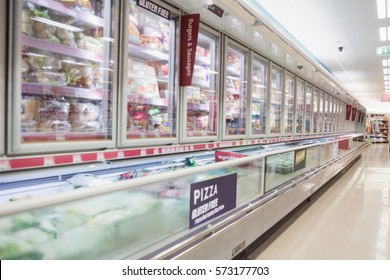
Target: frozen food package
(151,42)
(142,79)
(51,78)
(29,114)
(89,43)
(84,112)
(54,126)
(134,34)
(66,37)
(30,108)
(233,62)
(54,110)
(84,180)
(81,5)
(92,126)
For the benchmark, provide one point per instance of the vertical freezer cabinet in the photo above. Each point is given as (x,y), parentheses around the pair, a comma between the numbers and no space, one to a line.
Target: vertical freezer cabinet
(235,92)
(200,102)
(148,113)
(259,96)
(62,83)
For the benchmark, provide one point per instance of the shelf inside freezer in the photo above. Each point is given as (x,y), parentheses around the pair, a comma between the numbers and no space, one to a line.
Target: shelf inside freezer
(144,53)
(83,15)
(39,88)
(140,99)
(64,135)
(61,49)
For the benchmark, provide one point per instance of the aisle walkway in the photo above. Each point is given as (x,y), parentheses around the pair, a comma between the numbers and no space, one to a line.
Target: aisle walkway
(351,220)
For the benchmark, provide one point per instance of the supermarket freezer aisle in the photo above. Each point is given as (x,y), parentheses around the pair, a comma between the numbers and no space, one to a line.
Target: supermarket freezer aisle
(350,220)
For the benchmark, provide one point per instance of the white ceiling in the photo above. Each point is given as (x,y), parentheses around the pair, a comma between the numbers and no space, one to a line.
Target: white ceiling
(322,26)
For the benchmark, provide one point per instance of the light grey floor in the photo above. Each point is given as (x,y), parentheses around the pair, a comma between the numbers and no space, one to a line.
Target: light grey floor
(351,220)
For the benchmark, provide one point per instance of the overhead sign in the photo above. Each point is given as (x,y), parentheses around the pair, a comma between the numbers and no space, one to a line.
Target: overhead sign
(211,198)
(383,51)
(154,8)
(353,114)
(189,42)
(348,112)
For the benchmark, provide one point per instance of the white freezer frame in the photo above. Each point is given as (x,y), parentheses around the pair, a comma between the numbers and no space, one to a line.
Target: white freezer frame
(256,57)
(287,75)
(280,70)
(2,74)
(183,108)
(230,43)
(123,141)
(15,145)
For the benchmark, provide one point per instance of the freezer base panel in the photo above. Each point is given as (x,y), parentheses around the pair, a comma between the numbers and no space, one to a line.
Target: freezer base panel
(239,236)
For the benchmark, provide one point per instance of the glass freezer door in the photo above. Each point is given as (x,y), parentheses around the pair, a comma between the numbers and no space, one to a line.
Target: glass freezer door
(276,100)
(321,110)
(316,113)
(326,113)
(300,106)
(63,75)
(150,87)
(289,103)
(236,96)
(310,109)
(259,96)
(3,31)
(201,106)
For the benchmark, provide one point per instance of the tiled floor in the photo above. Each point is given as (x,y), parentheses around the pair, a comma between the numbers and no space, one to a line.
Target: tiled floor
(351,220)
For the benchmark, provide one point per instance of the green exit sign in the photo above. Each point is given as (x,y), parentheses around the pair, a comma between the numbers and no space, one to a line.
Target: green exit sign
(384,50)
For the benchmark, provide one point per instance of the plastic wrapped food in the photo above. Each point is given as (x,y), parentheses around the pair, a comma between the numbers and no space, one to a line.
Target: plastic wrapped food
(84,112)
(134,34)
(55,126)
(54,110)
(66,37)
(93,126)
(87,180)
(89,43)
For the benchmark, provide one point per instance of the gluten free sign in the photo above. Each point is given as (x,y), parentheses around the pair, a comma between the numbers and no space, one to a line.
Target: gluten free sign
(211,198)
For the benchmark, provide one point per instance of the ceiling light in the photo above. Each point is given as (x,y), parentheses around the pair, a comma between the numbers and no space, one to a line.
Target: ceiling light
(381,7)
(386,71)
(386,62)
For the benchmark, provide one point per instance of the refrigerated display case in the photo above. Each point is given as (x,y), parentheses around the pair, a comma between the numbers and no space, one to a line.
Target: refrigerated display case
(150,216)
(259,100)
(310,110)
(289,99)
(300,107)
(62,86)
(149,90)
(276,100)
(235,90)
(200,109)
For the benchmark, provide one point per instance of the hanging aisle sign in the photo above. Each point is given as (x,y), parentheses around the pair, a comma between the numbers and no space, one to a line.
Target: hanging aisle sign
(154,8)
(189,41)
(353,114)
(349,109)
